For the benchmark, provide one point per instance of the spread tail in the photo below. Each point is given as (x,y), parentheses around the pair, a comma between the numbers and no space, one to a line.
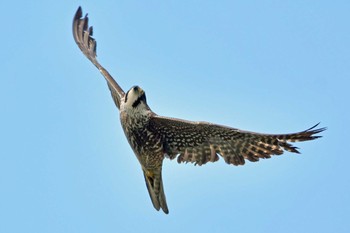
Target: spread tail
(155,188)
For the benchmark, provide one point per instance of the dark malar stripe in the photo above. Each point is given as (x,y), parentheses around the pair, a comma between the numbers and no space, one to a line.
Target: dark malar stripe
(126,96)
(138,101)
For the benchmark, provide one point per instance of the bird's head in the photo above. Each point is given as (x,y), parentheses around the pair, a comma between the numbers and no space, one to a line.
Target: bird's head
(135,98)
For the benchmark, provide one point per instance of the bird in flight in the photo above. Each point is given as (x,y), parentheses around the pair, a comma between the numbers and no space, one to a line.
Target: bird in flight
(153,137)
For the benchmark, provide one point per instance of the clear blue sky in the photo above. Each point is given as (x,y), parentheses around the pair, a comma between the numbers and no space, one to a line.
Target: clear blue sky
(267,66)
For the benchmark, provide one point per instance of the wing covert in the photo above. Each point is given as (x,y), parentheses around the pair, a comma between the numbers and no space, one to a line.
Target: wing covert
(202,142)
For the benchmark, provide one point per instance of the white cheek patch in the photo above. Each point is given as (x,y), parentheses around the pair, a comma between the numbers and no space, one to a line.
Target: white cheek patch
(132,97)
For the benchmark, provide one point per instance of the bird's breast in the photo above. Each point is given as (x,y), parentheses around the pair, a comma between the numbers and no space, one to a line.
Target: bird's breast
(146,144)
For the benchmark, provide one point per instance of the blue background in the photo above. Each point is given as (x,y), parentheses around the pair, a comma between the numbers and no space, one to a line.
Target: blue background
(266,66)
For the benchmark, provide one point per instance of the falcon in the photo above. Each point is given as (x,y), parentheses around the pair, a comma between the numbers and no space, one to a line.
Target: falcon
(153,137)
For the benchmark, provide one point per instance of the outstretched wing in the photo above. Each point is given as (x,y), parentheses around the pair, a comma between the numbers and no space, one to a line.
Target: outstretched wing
(200,142)
(82,34)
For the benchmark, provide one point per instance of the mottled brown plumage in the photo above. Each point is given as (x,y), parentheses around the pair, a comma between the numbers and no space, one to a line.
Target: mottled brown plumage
(154,137)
